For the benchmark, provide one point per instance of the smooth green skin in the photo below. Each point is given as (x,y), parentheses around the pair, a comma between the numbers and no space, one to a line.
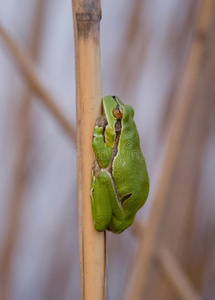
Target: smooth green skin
(128,174)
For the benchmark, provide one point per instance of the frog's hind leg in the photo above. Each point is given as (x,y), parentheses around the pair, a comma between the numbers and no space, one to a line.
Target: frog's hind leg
(101,197)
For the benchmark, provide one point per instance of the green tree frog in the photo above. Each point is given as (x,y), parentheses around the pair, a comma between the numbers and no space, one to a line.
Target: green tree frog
(120,183)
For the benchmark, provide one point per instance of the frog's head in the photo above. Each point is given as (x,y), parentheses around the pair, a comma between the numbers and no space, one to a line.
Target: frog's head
(115,110)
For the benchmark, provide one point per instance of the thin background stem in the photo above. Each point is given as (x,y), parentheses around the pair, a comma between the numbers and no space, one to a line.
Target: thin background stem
(27,66)
(16,198)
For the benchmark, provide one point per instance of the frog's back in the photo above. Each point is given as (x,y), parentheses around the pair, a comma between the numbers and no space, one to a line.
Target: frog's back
(130,172)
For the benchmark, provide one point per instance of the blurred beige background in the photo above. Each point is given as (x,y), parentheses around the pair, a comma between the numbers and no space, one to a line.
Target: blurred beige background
(145,47)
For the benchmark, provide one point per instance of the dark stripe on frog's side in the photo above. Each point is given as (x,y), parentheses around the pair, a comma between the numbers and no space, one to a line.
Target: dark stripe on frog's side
(125,197)
(118,127)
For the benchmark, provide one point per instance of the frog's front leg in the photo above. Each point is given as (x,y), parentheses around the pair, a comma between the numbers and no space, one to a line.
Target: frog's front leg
(101,194)
(102,149)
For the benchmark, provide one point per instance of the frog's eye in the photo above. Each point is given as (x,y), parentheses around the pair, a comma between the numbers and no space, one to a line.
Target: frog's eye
(118,112)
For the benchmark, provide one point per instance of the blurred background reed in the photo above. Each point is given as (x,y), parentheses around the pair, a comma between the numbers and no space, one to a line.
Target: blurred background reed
(157,56)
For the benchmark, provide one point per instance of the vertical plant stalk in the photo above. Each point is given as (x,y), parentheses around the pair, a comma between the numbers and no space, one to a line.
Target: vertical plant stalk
(87,15)
(140,271)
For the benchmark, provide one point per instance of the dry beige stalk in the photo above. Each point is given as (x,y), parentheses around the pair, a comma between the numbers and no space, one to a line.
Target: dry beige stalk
(87,15)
